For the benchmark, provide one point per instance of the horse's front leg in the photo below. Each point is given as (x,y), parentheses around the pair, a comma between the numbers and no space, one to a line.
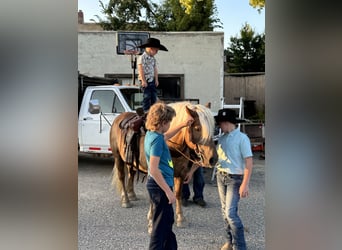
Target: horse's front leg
(149,219)
(130,184)
(180,219)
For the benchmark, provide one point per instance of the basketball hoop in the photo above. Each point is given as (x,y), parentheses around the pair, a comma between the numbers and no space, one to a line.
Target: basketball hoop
(128,44)
(131,52)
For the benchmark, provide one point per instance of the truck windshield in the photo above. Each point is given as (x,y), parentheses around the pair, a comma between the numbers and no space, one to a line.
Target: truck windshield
(133,97)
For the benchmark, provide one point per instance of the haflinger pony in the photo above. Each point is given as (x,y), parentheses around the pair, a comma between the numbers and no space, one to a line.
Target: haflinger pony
(190,146)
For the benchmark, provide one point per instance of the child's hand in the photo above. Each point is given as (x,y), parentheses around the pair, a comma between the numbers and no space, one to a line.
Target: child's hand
(243,191)
(189,121)
(187,178)
(144,84)
(171,197)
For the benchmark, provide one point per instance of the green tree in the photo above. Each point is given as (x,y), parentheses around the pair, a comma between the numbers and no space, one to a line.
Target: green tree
(257,4)
(191,15)
(171,15)
(246,53)
(127,15)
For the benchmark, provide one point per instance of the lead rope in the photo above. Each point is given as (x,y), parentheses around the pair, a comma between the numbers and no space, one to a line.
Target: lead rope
(184,155)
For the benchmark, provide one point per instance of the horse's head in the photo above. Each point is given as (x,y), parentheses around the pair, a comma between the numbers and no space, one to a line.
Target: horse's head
(197,137)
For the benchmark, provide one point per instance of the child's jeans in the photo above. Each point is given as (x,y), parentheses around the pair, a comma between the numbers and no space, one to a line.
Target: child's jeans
(197,185)
(228,188)
(162,236)
(150,95)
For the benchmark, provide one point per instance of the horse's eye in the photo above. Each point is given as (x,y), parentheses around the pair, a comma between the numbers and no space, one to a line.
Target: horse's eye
(197,128)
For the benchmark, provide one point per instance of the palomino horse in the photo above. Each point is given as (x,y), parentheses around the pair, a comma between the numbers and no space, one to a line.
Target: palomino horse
(191,145)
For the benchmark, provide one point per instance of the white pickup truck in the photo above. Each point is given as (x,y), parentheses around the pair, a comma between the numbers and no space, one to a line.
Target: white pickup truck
(100,106)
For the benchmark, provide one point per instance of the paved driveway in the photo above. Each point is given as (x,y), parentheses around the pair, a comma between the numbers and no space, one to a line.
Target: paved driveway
(103,224)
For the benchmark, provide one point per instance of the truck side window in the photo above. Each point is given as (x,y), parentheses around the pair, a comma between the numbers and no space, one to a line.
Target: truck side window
(118,108)
(133,97)
(105,98)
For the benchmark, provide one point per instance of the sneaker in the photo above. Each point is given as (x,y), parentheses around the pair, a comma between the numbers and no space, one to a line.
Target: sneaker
(185,202)
(227,246)
(200,202)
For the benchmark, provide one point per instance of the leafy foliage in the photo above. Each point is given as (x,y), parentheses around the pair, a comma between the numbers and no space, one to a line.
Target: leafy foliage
(258,4)
(194,16)
(172,15)
(246,53)
(127,15)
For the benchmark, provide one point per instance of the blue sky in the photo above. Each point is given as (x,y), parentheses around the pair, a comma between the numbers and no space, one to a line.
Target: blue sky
(232,13)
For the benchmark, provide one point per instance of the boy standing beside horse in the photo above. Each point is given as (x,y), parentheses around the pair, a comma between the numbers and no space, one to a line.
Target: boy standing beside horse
(233,174)
(160,180)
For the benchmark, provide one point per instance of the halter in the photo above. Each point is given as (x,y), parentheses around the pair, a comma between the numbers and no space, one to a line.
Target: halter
(195,148)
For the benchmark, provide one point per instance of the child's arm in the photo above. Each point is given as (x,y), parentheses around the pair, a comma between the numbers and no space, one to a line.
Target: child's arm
(189,175)
(156,76)
(170,133)
(158,177)
(142,75)
(244,188)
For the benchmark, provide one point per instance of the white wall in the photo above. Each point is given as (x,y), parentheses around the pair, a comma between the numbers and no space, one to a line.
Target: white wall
(197,55)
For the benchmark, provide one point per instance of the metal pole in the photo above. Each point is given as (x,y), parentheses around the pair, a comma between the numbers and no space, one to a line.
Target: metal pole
(134,66)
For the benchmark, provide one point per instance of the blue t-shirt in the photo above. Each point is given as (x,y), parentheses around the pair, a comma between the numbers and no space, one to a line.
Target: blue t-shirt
(155,145)
(232,149)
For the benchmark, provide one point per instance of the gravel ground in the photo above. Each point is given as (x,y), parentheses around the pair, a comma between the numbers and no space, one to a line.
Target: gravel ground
(103,224)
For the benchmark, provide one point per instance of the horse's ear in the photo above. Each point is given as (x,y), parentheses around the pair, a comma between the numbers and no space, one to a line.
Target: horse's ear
(191,112)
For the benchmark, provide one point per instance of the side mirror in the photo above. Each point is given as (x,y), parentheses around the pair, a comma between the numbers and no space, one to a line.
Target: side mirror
(94,107)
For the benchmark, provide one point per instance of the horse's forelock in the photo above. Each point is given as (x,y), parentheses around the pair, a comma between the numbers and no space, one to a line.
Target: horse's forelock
(207,121)
(205,116)
(180,109)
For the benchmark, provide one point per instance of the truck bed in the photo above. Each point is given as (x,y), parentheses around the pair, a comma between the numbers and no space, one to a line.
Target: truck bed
(255,132)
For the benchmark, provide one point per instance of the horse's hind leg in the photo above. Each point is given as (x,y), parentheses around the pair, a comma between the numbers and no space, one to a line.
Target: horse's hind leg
(130,185)
(120,180)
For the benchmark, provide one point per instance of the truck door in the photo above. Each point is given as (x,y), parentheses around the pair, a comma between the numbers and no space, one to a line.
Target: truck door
(94,128)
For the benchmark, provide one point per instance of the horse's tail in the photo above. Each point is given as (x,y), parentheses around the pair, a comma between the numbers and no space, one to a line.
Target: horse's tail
(115,179)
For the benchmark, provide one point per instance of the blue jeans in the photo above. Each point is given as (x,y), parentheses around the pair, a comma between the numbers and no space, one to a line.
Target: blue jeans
(197,185)
(228,189)
(150,95)
(162,236)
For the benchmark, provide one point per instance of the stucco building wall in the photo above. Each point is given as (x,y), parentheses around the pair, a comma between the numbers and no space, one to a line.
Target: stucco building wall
(198,56)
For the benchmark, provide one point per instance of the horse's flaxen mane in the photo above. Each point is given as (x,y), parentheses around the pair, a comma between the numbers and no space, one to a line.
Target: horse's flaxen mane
(205,116)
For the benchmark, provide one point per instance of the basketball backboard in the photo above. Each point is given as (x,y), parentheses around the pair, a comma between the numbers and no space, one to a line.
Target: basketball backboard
(129,41)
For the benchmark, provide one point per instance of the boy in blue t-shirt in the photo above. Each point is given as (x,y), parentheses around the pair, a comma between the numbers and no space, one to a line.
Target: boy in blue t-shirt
(160,173)
(233,174)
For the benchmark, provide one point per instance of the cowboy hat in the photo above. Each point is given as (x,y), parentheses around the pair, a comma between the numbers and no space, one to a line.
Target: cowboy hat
(153,43)
(227,115)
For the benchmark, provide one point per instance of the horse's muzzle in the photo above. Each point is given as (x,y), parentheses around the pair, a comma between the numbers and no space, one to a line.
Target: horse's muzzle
(213,161)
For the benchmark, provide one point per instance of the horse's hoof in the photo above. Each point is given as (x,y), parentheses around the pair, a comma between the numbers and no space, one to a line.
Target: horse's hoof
(132,197)
(149,230)
(126,204)
(149,226)
(182,224)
